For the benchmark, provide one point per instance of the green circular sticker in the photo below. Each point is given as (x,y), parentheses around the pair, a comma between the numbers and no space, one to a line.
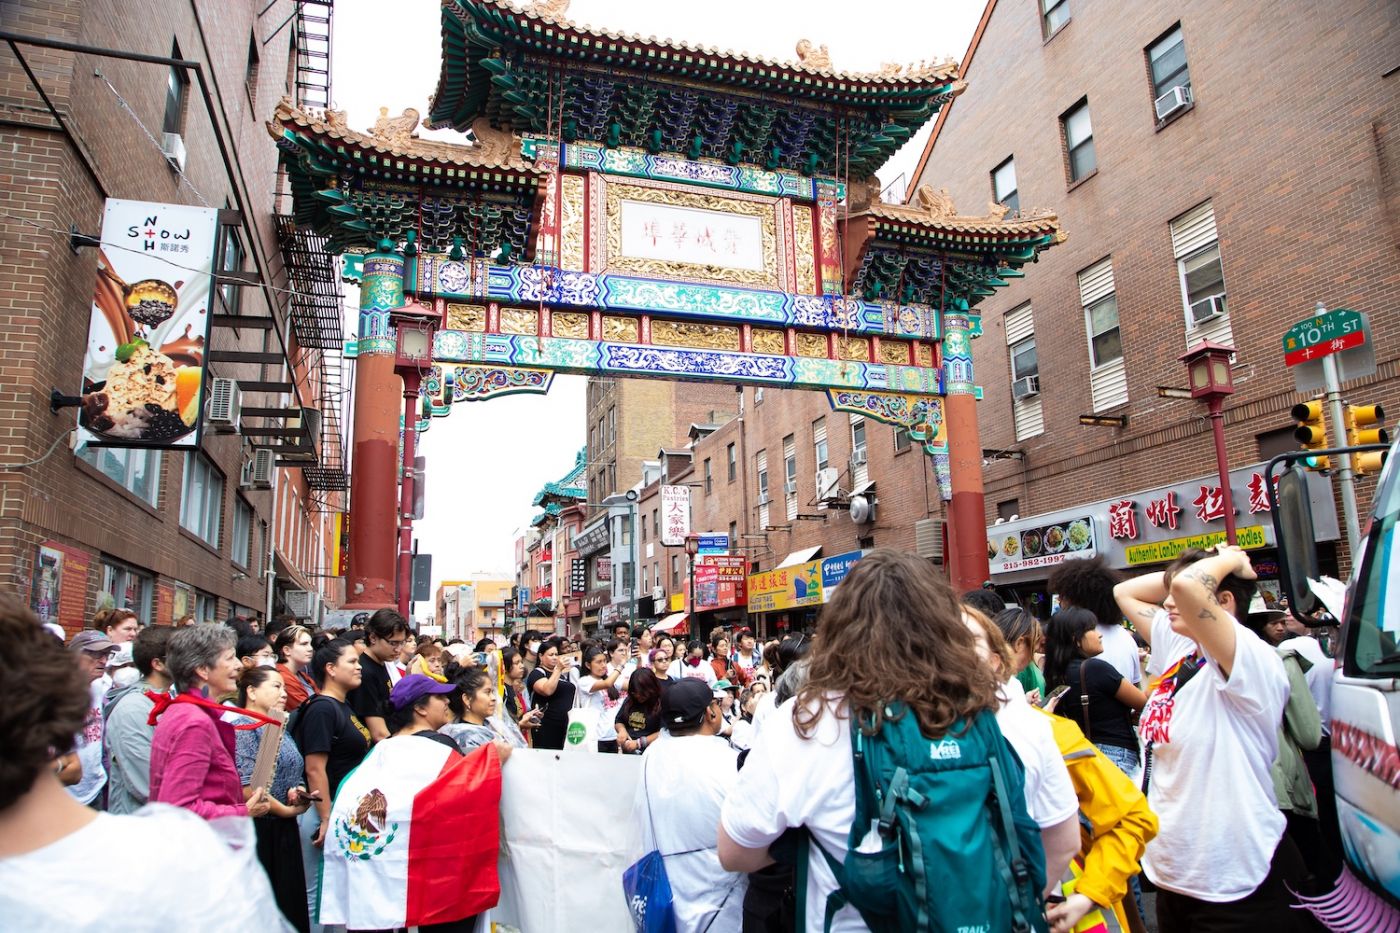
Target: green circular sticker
(576,733)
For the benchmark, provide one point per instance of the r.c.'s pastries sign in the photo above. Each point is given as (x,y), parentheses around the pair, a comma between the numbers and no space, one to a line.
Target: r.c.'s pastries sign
(143,374)
(1041,546)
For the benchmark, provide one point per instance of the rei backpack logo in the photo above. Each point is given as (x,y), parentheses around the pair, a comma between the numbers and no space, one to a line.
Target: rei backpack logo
(944,750)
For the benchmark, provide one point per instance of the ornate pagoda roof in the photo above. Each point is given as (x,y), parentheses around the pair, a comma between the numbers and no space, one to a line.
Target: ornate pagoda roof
(353,186)
(899,251)
(507,65)
(570,487)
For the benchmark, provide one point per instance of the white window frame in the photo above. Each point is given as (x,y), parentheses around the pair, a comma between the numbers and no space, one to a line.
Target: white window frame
(821,448)
(1185,291)
(1013,195)
(1161,42)
(1070,145)
(1094,361)
(198,518)
(1016,349)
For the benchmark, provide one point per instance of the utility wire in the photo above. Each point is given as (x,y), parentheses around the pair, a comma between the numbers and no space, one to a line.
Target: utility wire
(127,107)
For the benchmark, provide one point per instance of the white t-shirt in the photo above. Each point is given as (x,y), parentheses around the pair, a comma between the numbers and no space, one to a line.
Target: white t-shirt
(1050,797)
(599,700)
(790,781)
(1319,676)
(89,746)
(1213,742)
(182,876)
(1120,650)
(684,783)
(704,671)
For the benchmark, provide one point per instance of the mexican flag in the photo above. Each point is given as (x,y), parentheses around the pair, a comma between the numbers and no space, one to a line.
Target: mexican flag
(413,837)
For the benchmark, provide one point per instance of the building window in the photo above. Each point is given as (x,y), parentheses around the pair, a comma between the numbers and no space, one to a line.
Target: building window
(593,442)
(857,435)
(242,532)
(1167,60)
(124,587)
(860,468)
(675,573)
(709,480)
(901,439)
(655,523)
(1203,282)
(761,468)
(1004,185)
(819,447)
(1105,342)
(177,88)
(1054,15)
(206,607)
(202,498)
(1079,141)
(612,425)
(232,262)
(135,470)
(1009,509)
(250,71)
(733,462)
(758,396)
(1023,361)
(790,476)
(734,536)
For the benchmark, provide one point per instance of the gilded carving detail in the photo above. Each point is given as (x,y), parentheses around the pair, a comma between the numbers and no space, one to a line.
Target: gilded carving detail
(895,352)
(811,345)
(762,208)
(925,355)
(466,317)
(519,321)
(571,224)
(705,336)
(853,348)
(768,341)
(619,329)
(571,324)
(806,250)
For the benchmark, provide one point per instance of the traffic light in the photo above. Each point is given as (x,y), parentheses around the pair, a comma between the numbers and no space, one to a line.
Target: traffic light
(1363,427)
(1311,432)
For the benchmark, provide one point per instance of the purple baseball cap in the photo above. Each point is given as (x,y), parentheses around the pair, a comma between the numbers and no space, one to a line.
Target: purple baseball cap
(413,687)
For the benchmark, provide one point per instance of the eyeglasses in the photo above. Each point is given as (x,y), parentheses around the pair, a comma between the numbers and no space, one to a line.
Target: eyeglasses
(398,644)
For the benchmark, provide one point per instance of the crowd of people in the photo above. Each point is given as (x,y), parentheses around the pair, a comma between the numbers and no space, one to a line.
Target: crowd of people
(1117,778)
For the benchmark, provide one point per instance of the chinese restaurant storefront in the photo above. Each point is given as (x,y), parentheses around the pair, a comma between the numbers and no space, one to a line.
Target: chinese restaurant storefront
(789,599)
(1144,531)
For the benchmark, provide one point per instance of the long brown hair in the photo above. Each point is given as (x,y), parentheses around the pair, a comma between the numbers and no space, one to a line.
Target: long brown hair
(894,632)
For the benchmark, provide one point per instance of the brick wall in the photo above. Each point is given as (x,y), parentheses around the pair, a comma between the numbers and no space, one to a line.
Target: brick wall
(1293,137)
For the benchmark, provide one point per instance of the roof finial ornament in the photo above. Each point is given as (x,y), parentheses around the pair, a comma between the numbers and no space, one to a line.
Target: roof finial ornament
(495,145)
(554,9)
(996,210)
(863,193)
(937,204)
(396,131)
(815,57)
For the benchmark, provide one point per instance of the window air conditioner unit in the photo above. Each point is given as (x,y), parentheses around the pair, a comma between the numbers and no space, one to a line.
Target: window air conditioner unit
(858,457)
(225,401)
(1207,309)
(763,498)
(1172,101)
(1026,387)
(790,487)
(257,473)
(173,145)
(827,481)
(300,603)
(928,538)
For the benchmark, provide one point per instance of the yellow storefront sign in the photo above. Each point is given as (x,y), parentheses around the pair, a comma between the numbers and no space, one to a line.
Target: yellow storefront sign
(1159,552)
(786,588)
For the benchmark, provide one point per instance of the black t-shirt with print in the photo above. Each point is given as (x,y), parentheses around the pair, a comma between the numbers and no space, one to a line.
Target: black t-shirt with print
(371,697)
(637,721)
(329,727)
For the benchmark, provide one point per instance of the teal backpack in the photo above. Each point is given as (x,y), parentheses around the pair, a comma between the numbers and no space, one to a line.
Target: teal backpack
(955,850)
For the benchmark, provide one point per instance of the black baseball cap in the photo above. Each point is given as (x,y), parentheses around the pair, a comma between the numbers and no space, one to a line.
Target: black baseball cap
(684,702)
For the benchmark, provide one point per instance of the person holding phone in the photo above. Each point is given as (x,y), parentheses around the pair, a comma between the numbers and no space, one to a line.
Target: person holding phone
(515,698)
(553,692)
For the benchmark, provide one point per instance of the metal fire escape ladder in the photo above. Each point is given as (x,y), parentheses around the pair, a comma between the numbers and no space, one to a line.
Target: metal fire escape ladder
(313,45)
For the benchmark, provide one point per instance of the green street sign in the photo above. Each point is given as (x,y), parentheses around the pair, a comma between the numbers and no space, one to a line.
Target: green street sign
(1322,335)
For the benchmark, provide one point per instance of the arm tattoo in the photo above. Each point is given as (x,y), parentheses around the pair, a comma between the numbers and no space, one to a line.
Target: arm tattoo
(1147,612)
(1206,613)
(1203,578)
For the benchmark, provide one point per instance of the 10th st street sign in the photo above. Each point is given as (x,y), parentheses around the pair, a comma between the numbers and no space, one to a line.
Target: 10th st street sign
(1341,333)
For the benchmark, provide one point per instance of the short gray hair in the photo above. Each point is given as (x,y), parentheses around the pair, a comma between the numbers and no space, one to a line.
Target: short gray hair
(196,646)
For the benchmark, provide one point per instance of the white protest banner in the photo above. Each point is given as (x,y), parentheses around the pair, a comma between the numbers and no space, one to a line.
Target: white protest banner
(568,835)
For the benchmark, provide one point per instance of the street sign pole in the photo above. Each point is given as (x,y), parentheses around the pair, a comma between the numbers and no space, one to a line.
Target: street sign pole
(1332,384)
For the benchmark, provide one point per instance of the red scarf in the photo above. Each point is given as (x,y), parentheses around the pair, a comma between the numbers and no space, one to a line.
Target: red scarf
(163,701)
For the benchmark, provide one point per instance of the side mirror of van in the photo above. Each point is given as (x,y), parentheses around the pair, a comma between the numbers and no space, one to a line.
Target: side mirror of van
(1293,529)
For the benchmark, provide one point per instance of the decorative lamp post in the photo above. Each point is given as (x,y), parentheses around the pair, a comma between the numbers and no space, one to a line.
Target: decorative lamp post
(1208,369)
(414,326)
(692,547)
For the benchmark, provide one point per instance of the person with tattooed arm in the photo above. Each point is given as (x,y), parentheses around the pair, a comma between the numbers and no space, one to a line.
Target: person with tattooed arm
(1210,734)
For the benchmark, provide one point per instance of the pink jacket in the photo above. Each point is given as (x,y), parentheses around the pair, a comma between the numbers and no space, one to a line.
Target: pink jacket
(192,763)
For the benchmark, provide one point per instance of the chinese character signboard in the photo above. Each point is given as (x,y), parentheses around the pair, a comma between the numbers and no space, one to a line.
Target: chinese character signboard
(578,577)
(143,373)
(1040,545)
(786,588)
(691,235)
(675,515)
(834,570)
(719,582)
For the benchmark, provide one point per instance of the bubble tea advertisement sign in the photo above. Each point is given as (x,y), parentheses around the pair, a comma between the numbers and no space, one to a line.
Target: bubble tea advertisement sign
(143,374)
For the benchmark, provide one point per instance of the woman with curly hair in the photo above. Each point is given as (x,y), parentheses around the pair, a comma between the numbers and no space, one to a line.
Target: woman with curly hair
(892,633)
(56,853)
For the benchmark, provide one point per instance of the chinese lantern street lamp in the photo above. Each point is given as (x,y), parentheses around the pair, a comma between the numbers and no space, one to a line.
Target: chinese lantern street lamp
(692,547)
(1208,369)
(414,326)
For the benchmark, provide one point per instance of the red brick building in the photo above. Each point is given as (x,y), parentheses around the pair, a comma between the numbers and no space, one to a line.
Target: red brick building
(1219,170)
(171,533)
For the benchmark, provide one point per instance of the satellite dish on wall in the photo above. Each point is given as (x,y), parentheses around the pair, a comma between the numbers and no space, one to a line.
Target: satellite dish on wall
(862,509)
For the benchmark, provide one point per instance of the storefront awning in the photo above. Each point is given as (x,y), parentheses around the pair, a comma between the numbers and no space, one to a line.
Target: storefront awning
(799,557)
(675,623)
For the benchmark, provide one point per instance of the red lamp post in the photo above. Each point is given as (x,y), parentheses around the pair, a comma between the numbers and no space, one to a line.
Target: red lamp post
(1208,369)
(415,326)
(692,547)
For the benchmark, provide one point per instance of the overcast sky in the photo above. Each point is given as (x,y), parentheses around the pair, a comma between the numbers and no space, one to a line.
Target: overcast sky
(486,461)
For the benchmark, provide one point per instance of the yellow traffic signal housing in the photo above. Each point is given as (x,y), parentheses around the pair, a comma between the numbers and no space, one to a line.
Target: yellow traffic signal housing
(1363,424)
(1311,432)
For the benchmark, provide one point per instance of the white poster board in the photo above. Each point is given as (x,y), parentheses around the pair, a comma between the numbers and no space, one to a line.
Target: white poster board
(675,515)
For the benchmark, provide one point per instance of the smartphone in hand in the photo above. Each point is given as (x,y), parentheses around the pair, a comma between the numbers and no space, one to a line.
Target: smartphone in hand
(1053,697)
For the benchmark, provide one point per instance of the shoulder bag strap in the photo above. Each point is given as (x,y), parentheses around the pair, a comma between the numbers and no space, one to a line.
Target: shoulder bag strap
(1084,702)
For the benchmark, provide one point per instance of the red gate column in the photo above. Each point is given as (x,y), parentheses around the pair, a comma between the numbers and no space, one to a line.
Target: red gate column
(375,462)
(967,524)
